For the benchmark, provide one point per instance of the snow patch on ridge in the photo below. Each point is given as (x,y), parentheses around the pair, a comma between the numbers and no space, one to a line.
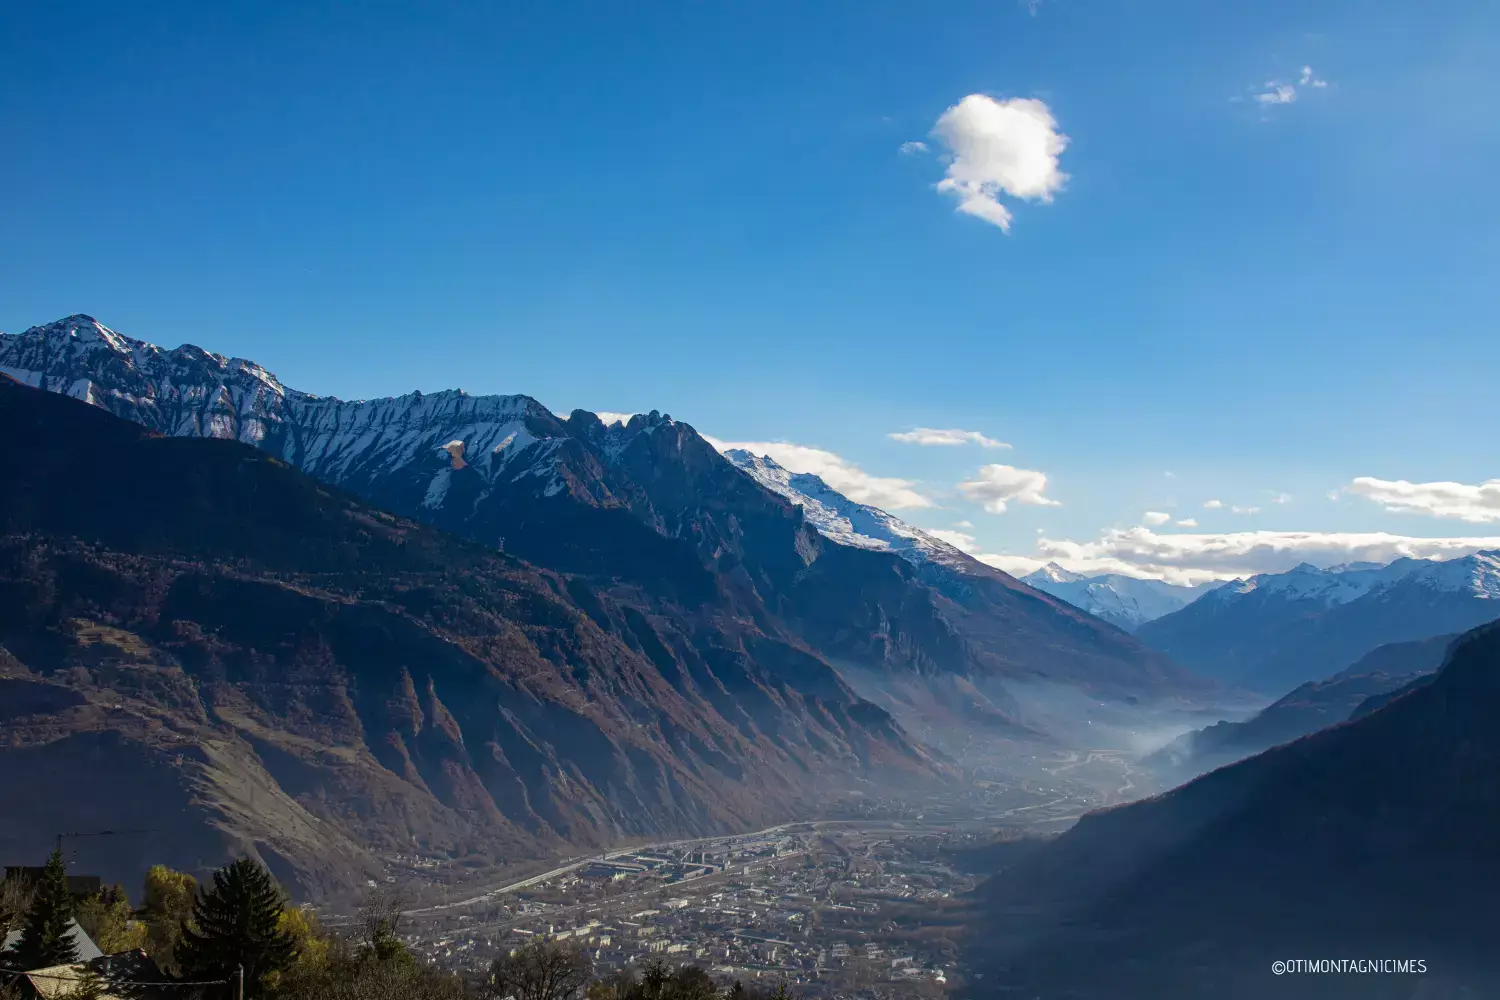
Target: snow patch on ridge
(837,517)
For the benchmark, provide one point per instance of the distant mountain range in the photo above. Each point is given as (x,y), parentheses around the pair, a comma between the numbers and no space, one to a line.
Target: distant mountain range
(1312,706)
(1124,601)
(1275,631)
(1369,840)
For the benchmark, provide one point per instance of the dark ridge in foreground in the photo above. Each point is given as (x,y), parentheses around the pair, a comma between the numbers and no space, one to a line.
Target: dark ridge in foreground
(1374,839)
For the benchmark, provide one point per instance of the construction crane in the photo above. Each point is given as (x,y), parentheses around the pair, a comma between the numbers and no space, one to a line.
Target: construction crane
(97,833)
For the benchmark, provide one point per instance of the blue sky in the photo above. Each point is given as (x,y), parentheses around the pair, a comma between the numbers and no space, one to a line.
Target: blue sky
(704,208)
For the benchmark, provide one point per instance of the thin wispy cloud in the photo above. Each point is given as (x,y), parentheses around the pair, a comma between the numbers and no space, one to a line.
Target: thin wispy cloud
(1476,503)
(996,486)
(913,147)
(1188,522)
(1244,510)
(1000,148)
(933,437)
(961,540)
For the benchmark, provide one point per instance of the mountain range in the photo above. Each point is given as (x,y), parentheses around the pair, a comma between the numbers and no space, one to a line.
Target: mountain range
(1126,601)
(195,626)
(644,640)
(1369,840)
(1273,632)
(1316,705)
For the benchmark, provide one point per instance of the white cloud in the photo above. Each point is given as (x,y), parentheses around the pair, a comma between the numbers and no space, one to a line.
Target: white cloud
(1281,498)
(839,473)
(1193,558)
(1187,522)
(963,524)
(928,436)
(963,541)
(1170,475)
(611,417)
(1244,510)
(1278,93)
(1000,147)
(1213,504)
(1476,504)
(913,147)
(997,485)
(1155,517)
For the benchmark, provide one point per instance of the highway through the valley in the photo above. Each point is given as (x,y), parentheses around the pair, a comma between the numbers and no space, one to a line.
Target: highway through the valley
(1040,813)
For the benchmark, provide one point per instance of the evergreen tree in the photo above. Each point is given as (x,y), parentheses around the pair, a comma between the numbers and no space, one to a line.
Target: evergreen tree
(237,924)
(45,938)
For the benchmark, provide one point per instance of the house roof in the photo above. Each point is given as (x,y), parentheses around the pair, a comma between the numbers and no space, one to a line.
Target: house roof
(59,980)
(87,949)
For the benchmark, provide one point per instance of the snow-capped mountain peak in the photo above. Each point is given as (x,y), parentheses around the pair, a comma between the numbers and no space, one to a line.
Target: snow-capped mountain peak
(1349,582)
(837,517)
(1121,600)
(1053,573)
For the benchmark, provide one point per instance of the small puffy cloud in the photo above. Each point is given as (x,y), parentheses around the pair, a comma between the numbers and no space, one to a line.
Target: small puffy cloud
(838,472)
(963,524)
(913,147)
(1461,501)
(960,540)
(611,417)
(1155,517)
(1194,558)
(998,485)
(1187,522)
(1213,504)
(1277,93)
(929,437)
(1000,147)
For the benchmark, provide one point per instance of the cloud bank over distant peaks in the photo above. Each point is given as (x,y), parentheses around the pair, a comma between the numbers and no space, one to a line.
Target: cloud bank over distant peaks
(839,473)
(932,437)
(1000,148)
(1196,557)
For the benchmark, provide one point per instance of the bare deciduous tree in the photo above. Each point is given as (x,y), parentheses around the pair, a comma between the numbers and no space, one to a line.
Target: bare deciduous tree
(539,971)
